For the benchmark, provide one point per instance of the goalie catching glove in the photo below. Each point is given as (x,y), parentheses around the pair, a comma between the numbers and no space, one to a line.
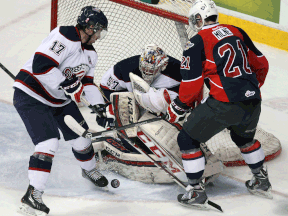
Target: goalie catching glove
(177,111)
(105,116)
(73,88)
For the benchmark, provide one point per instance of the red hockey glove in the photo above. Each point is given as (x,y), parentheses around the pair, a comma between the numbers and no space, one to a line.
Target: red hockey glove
(73,88)
(177,111)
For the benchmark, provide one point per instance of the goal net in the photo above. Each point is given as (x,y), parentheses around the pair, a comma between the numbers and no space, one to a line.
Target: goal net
(131,25)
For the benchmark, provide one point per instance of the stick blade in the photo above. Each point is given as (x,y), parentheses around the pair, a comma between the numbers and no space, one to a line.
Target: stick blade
(74,125)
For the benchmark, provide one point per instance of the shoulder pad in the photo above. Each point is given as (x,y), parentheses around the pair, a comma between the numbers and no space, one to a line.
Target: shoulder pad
(70,32)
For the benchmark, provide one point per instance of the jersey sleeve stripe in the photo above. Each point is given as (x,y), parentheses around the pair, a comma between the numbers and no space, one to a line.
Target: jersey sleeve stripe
(49,57)
(42,64)
(104,87)
(87,80)
(187,94)
(191,80)
(215,84)
(27,79)
(210,61)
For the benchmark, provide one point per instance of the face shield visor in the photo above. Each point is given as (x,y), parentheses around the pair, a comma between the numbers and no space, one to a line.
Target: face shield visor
(99,30)
(196,22)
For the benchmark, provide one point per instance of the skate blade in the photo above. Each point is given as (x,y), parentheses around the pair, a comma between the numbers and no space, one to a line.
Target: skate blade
(266,194)
(29,211)
(204,206)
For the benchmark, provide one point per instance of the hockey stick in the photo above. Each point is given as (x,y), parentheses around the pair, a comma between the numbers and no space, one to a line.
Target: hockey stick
(74,125)
(7,71)
(160,166)
(77,128)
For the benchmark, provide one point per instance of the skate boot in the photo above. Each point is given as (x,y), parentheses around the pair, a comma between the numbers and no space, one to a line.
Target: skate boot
(32,203)
(195,197)
(260,185)
(95,177)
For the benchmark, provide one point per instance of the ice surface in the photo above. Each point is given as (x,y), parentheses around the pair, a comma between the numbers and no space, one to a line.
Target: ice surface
(24,24)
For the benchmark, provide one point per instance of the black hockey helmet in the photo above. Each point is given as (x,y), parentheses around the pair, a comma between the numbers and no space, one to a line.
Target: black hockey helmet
(93,17)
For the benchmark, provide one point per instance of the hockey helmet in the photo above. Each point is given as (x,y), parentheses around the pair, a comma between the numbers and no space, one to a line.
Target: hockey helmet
(93,17)
(200,10)
(152,61)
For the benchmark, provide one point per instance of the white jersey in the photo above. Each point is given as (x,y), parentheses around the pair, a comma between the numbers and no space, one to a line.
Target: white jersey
(58,56)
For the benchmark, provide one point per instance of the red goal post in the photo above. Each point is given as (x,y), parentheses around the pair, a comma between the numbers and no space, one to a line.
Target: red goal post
(131,25)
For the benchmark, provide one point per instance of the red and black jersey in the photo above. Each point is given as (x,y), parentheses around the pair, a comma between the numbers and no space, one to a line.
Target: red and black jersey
(226,59)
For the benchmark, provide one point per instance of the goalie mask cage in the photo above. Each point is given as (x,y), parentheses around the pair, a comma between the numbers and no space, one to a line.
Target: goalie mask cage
(131,25)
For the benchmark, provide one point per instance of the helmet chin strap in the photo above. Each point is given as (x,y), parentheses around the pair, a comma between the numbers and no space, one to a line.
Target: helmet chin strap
(89,36)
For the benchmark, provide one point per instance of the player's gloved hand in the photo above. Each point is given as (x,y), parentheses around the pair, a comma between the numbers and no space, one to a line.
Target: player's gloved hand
(105,116)
(176,111)
(73,88)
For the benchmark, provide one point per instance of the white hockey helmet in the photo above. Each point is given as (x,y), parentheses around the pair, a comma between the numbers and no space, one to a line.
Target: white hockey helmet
(152,61)
(200,10)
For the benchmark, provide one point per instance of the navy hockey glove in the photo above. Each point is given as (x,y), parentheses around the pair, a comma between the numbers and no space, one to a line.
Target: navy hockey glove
(105,117)
(176,111)
(73,88)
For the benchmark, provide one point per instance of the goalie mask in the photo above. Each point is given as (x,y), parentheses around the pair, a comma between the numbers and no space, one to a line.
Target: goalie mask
(152,61)
(93,17)
(200,10)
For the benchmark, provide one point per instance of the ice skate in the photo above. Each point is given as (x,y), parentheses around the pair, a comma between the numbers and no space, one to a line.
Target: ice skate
(260,185)
(32,203)
(95,177)
(195,197)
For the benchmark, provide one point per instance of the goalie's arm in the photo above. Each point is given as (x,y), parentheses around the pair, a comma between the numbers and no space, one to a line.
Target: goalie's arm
(111,83)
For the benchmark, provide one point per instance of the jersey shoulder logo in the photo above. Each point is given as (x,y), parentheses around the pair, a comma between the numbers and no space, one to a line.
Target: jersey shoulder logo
(188,45)
(89,60)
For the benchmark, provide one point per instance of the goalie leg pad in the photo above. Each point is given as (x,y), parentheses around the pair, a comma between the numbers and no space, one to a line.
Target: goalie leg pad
(126,111)
(131,165)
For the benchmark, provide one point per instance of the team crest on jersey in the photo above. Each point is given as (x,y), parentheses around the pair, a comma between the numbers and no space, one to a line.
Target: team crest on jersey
(79,71)
(249,93)
(188,45)
(67,72)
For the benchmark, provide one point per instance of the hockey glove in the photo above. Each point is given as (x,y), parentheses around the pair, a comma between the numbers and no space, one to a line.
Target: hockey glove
(177,111)
(73,88)
(105,118)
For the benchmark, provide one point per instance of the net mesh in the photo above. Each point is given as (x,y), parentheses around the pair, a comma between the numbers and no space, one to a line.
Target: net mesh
(130,29)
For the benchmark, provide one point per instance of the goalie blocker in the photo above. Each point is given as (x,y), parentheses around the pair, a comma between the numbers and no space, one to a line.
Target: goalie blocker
(158,139)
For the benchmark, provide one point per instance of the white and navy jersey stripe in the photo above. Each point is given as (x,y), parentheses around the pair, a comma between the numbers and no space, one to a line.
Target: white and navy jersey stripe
(59,55)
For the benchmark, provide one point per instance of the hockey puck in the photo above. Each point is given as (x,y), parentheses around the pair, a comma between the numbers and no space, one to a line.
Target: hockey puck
(115,183)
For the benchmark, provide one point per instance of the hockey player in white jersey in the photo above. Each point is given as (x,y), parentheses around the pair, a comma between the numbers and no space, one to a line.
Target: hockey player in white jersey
(47,88)
(152,79)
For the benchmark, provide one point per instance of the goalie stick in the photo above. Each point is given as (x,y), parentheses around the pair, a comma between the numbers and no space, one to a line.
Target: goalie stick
(77,128)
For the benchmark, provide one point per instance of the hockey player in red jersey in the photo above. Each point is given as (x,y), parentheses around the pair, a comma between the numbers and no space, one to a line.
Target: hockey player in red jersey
(47,88)
(225,58)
